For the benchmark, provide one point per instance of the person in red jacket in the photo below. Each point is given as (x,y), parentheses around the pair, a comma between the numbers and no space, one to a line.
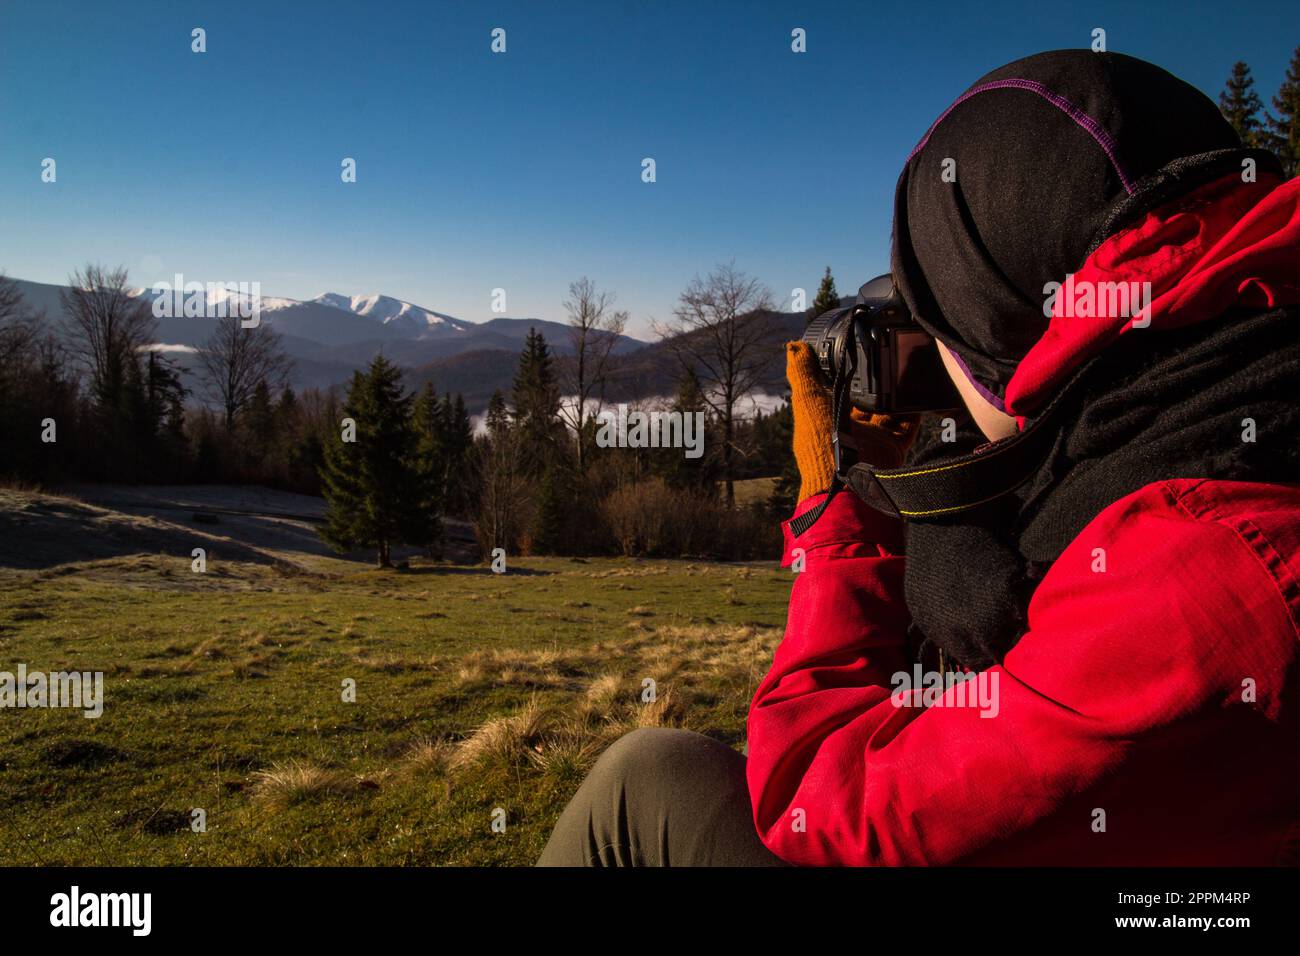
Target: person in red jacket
(1089,653)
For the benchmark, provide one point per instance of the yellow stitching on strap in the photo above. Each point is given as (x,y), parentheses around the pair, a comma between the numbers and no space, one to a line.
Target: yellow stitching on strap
(939,511)
(961,464)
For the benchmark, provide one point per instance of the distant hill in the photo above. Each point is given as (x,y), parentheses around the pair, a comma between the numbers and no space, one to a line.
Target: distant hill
(653,370)
(333,334)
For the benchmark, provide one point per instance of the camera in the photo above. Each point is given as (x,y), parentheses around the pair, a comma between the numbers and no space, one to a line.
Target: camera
(891,364)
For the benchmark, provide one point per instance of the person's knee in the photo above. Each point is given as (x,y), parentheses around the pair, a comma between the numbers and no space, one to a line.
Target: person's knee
(657,753)
(650,782)
(640,750)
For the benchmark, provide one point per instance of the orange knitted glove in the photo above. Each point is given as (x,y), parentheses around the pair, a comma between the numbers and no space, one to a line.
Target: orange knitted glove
(881,440)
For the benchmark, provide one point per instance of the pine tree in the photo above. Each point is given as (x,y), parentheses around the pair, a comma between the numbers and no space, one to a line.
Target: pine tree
(1240,105)
(1284,130)
(678,470)
(690,396)
(375,492)
(827,298)
(537,400)
(286,411)
(458,440)
(162,389)
(498,415)
(164,410)
(259,424)
(426,418)
(431,453)
(130,426)
(459,431)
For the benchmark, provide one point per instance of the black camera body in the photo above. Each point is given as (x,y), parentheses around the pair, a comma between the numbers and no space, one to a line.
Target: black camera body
(893,364)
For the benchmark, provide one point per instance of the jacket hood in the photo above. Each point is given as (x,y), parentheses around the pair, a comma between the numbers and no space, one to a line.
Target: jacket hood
(1024,178)
(1227,245)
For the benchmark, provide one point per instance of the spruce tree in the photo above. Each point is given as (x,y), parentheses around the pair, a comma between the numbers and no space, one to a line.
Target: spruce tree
(1240,105)
(677,469)
(375,492)
(827,298)
(498,415)
(426,419)
(165,417)
(459,430)
(458,440)
(1284,129)
(259,423)
(286,411)
(537,400)
(130,428)
(431,454)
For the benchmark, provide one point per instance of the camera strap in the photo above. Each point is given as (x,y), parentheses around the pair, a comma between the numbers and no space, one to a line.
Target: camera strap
(952,485)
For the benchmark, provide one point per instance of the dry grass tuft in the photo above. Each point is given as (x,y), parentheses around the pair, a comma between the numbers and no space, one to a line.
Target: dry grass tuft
(504,741)
(296,781)
(211,649)
(394,663)
(548,669)
(569,754)
(428,756)
(666,710)
(602,694)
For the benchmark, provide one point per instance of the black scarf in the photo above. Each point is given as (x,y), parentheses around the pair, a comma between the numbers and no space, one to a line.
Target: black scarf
(1157,407)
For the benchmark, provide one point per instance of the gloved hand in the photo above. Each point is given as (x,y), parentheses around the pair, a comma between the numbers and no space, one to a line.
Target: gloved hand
(881,440)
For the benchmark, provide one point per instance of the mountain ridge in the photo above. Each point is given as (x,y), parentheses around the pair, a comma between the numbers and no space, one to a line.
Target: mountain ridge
(328,341)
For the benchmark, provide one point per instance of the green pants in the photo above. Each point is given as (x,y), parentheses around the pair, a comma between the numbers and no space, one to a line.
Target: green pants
(660,797)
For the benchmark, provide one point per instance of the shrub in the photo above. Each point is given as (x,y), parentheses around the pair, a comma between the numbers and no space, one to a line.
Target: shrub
(649,517)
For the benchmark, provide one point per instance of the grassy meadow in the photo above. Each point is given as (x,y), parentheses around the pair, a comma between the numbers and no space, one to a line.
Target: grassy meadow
(474,691)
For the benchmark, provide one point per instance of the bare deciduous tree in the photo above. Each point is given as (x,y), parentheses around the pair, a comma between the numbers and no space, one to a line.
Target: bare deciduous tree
(504,503)
(106,327)
(236,359)
(11,299)
(724,331)
(17,329)
(594,330)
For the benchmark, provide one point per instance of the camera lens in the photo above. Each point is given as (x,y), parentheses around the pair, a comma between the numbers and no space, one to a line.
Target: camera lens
(827,334)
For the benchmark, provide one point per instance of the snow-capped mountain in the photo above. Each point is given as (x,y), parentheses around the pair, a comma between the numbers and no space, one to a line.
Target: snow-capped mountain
(218,294)
(331,335)
(404,317)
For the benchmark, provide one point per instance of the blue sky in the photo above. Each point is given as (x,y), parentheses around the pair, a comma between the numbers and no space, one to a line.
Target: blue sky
(522,170)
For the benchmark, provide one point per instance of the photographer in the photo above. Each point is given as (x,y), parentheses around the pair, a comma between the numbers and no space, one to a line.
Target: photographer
(1116,552)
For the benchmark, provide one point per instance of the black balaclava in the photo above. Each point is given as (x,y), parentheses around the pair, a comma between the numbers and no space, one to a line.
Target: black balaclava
(1042,150)
(1012,188)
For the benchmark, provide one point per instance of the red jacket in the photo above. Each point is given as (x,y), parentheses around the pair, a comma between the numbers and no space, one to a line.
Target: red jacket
(1149,715)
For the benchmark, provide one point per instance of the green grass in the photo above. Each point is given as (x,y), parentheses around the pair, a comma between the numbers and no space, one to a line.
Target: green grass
(475,691)
(755,491)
